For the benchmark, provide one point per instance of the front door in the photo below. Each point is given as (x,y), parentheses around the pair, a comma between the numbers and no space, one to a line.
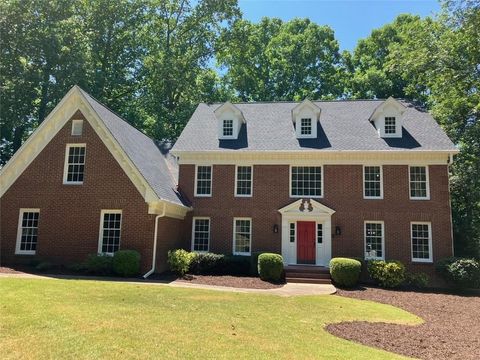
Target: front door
(306,242)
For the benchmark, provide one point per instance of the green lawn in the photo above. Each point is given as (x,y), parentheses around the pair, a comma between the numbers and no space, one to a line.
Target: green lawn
(67,319)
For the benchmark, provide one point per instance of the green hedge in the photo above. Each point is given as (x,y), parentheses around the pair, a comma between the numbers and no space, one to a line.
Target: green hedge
(126,263)
(179,261)
(389,274)
(207,264)
(345,271)
(270,267)
(460,272)
(99,264)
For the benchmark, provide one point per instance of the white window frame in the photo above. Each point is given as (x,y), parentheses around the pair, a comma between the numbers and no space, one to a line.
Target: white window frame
(365,239)
(19,232)
(294,223)
(322,176)
(309,125)
(196,181)
(234,231)
(100,232)
(430,255)
(77,124)
(381,182)
(192,245)
(232,128)
(427,175)
(65,165)
(236,181)
(394,124)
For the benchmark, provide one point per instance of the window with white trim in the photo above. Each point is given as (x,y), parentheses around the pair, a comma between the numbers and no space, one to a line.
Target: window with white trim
(390,125)
(292,232)
(319,233)
(27,235)
(242,236)
(110,231)
(419,182)
(374,240)
(243,183)
(77,127)
(306,181)
(228,127)
(74,164)
(372,185)
(203,185)
(306,126)
(421,242)
(201,234)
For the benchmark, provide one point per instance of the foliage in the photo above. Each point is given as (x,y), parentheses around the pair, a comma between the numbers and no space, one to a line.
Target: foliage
(99,264)
(44,266)
(460,272)
(270,267)
(417,280)
(254,263)
(126,263)
(441,266)
(345,272)
(179,260)
(207,264)
(236,265)
(389,274)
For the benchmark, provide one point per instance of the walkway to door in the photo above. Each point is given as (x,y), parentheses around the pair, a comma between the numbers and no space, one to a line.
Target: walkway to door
(307,274)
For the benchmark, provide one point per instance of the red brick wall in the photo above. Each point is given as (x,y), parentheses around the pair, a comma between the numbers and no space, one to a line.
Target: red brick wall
(343,192)
(70,214)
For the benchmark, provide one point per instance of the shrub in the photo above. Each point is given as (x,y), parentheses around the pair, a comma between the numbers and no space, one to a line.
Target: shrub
(254,263)
(207,264)
(270,266)
(180,260)
(98,264)
(77,267)
(417,280)
(387,274)
(465,273)
(344,271)
(126,263)
(441,267)
(44,266)
(238,265)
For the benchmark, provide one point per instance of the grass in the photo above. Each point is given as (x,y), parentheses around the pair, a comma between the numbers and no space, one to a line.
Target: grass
(67,319)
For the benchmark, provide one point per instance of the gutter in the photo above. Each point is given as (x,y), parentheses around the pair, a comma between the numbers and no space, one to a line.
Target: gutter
(154,257)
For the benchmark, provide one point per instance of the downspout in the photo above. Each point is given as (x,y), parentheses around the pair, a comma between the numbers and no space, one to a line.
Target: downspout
(154,257)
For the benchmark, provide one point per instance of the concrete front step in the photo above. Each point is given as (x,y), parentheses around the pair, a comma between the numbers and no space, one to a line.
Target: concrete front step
(306,269)
(306,280)
(313,275)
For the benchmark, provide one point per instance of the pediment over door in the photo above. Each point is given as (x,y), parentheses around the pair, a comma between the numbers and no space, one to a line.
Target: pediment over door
(306,207)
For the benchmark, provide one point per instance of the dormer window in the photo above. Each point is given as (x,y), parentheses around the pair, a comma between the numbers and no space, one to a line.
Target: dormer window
(306,126)
(388,118)
(230,120)
(390,125)
(227,127)
(305,118)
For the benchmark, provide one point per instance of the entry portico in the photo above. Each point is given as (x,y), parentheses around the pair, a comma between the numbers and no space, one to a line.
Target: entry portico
(306,233)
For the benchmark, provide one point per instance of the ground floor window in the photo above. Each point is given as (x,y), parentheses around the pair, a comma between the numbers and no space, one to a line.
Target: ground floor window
(110,229)
(27,236)
(374,240)
(242,236)
(421,242)
(200,234)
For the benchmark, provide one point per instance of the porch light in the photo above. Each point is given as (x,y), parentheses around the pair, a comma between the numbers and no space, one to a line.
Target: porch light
(275,228)
(338,231)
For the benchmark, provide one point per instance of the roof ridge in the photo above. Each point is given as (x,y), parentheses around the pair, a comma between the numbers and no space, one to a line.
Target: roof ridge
(297,102)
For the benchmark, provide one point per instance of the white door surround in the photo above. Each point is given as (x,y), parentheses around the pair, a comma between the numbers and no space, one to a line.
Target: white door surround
(307,210)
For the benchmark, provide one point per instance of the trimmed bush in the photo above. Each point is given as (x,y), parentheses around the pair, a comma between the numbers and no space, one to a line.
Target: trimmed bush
(270,266)
(207,264)
(441,267)
(236,265)
(417,280)
(464,273)
(254,263)
(389,274)
(99,264)
(345,272)
(180,260)
(126,263)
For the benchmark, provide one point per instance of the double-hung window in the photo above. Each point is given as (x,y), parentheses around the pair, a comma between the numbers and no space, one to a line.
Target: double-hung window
(242,236)
(305,126)
(419,187)
(421,242)
(243,181)
(306,181)
(27,235)
(374,240)
(200,234)
(390,125)
(372,182)
(227,127)
(203,181)
(74,168)
(110,231)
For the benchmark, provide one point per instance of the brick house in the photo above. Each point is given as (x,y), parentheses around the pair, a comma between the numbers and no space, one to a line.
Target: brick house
(308,180)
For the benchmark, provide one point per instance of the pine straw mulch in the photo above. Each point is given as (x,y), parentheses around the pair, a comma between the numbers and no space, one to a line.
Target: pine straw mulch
(451,329)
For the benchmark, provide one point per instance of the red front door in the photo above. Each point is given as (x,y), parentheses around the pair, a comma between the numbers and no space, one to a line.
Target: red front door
(306,242)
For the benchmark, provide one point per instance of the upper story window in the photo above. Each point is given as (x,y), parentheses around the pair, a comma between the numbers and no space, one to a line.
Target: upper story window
(372,182)
(306,126)
(227,127)
(74,164)
(77,127)
(110,227)
(419,186)
(305,117)
(243,182)
(242,236)
(374,240)
(306,181)
(388,118)
(390,125)
(201,234)
(203,181)
(421,242)
(27,235)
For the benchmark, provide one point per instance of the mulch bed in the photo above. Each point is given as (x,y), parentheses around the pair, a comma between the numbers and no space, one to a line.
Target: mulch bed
(7,270)
(451,329)
(230,281)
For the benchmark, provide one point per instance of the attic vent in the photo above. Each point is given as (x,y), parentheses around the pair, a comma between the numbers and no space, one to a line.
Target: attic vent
(77,127)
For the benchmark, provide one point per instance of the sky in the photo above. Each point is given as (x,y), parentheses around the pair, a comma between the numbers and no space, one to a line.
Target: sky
(350,19)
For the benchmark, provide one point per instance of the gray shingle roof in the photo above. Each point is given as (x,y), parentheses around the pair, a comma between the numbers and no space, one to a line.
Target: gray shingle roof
(344,125)
(154,164)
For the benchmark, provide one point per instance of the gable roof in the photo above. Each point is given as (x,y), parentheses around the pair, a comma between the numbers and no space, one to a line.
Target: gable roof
(344,126)
(139,156)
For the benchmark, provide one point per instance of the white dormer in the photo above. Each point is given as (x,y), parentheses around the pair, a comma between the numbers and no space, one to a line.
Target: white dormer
(305,117)
(230,120)
(388,118)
